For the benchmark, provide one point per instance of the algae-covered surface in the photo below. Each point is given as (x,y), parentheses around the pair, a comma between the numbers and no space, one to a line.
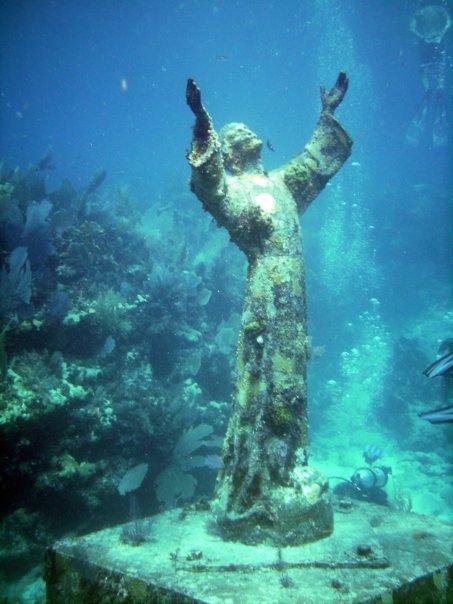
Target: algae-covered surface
(370,554)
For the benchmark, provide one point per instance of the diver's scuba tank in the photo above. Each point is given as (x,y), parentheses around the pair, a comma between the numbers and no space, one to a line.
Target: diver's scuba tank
(368,478)
(367,482)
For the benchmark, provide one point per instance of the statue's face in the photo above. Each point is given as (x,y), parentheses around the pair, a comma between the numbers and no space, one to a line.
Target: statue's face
(241,148)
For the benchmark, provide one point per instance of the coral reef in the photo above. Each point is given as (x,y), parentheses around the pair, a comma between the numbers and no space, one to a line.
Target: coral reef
(103,336)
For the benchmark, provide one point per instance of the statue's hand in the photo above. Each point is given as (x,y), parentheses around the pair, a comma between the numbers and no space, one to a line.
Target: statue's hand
(203,121)
(193,98)
(330,100)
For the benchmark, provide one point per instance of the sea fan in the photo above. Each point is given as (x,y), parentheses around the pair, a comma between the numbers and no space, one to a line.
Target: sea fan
(15,283)
(175,482)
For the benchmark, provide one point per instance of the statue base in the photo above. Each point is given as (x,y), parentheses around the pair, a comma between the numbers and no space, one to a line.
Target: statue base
(375,555)
(289,515)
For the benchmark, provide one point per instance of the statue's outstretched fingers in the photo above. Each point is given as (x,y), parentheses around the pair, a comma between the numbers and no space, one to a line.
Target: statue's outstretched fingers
(330,100)
(193,97)
(342,81)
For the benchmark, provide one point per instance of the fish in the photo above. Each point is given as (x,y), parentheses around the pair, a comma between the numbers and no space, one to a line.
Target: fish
(442,415)
(108,348)
(269,145)
(213,462)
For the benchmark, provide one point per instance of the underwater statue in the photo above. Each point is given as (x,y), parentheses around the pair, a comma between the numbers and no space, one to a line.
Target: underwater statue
(266,492)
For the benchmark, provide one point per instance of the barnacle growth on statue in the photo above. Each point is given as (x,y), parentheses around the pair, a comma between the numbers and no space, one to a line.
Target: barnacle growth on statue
(266,491)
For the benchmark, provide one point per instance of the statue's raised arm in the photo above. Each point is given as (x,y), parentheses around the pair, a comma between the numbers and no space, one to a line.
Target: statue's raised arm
(205,155)
(329,147)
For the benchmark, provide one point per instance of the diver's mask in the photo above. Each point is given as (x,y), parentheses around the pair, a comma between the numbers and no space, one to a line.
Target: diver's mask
(371,478)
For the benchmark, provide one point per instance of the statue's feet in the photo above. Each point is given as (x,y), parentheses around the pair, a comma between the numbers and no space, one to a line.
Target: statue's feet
(286,515)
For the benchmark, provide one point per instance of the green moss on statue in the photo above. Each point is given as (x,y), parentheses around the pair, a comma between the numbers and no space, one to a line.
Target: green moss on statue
(281,416)
(255,327)
(297,177)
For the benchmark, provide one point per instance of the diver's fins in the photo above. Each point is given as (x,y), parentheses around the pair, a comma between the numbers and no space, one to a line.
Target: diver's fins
(440,366)
(443,415)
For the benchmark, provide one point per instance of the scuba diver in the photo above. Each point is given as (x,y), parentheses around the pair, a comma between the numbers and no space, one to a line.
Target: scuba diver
(367,482)
(430,23)
(442,367)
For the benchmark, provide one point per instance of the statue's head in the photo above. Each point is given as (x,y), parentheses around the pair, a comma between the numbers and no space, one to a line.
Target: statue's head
(241,149)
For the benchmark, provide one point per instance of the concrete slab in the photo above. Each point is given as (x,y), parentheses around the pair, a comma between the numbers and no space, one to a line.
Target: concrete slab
(374,555)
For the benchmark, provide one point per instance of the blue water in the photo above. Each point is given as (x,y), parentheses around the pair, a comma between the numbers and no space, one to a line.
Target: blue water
(62,65)
(103,85)
(259,62)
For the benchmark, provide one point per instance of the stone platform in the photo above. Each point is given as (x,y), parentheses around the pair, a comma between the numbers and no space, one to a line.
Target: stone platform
(375,555)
